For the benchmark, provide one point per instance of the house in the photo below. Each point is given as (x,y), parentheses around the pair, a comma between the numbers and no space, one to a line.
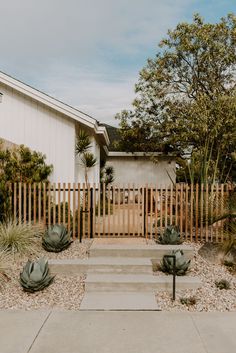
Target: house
(42,123)
(139,168)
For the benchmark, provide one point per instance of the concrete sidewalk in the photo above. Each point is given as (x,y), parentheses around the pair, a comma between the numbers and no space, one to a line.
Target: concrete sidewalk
(116,332)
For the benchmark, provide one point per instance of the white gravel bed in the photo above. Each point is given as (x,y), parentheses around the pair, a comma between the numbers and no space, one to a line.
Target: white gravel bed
(208,297)
(66,292)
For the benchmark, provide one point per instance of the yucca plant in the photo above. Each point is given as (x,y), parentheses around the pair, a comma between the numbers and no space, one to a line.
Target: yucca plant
(56,238)
(35,276)
(171,235)
(18,237)
(181,266)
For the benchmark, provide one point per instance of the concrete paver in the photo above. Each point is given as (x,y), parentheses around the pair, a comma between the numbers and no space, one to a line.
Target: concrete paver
(19,328)
(113,332)
(119,301)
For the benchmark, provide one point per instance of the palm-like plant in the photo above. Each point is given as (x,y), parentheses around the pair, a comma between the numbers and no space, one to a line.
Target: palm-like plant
(88,160)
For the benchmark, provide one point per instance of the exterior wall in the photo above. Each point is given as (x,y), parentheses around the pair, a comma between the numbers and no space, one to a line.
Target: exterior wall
(141,170)
(25,121)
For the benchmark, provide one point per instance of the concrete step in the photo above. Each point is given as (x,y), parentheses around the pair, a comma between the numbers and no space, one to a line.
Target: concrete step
(109,301)
(137,283)
(105,265)
(152,251)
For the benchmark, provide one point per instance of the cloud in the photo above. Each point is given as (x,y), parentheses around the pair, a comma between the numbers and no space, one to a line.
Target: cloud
(85,52)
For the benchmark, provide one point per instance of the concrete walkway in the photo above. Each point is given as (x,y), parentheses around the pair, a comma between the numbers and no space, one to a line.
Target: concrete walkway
(115,332)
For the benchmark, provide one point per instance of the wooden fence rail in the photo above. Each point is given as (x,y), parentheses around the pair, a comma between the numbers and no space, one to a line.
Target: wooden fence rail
(127,210)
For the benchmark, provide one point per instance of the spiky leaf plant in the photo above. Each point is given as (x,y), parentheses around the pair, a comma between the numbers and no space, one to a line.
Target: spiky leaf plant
(56,238)
(171,236)
(35,276)
(182,265)
(18,237)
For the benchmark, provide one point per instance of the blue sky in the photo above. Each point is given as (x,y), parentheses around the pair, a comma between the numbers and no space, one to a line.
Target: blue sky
(88,53)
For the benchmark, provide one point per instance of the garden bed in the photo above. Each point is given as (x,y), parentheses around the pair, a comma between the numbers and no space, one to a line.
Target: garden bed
(208,297)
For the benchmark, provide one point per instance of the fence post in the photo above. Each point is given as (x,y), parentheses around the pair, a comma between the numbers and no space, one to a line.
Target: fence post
(91,212)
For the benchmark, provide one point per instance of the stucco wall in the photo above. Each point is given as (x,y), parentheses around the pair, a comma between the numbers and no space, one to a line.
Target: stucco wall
(141,170)
(25,121)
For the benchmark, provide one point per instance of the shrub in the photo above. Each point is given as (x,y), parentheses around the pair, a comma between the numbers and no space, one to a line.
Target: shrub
(222,284)
(188,300)
(19,237)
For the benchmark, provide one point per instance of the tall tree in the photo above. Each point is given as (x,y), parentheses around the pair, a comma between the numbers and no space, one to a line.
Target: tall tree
(186,100)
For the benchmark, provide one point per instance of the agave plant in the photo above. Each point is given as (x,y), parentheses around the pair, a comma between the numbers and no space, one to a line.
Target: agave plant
(181,265)
(35,276)
(56,238)
(171,235)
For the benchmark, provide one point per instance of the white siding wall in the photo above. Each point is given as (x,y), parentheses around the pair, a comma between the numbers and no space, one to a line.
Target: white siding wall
(24,121)
(141,170)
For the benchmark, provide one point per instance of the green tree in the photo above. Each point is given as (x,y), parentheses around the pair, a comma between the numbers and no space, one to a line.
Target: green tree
(19,165)
(186,100)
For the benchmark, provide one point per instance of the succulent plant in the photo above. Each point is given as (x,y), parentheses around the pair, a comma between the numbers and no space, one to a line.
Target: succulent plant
(56,238)
(171,235)
(35,276)
(222,284)
(182,265)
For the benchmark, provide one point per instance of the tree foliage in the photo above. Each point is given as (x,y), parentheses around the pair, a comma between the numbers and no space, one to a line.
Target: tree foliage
(19,165)
(186,100)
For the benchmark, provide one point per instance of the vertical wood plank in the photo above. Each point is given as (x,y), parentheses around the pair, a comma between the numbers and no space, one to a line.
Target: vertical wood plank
(176,204)
(39,202)
(222,210)
(181,208)
(15,201)
(24,203)
(128,209)
(54,204)
(59,202)
(109,210)
(94,207)
(44,203)
(64,203)
(134,206)
(20,202)
(138,211)
(88,210)
(166,206)
(206,212)
(211,205)
(191,211)
(79,213)
(151,210)
(35,204)
(49,204)
(186,211)
(68,216)
(29,201)
(74,210)
(119,221)
(124,211)
(156,210)
(104,209)
(201,211)
(217,211)
(161,210)
(171,204)
(197,211)
(84,208)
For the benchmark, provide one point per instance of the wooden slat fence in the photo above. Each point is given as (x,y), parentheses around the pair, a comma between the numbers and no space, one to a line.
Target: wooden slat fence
(123,211)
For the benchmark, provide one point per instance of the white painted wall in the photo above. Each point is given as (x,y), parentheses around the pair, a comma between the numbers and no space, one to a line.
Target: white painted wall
(141,170)
(24,121)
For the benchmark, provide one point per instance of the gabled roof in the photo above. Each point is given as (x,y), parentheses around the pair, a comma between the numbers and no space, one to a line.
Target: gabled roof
(55,104)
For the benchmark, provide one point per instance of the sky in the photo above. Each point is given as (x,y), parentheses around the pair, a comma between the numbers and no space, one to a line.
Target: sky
(88,53)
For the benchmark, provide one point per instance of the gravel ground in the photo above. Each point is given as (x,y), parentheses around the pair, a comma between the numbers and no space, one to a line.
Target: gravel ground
(208,297)
(66,292)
